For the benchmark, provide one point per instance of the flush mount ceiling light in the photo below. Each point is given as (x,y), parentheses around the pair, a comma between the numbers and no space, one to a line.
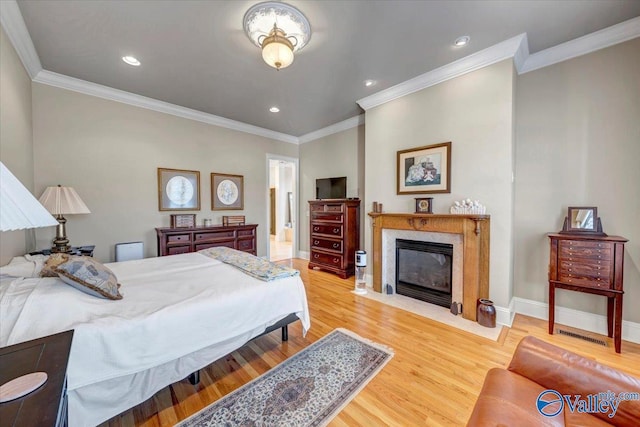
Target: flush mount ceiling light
(278,29)
(462,41)
(131,60)
(369,83)
(274,109)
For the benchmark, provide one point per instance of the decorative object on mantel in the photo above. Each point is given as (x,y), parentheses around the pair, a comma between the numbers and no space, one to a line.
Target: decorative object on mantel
(424,205)
(424,170)
(582,220)
(467,206)
(377,207)
(486,313)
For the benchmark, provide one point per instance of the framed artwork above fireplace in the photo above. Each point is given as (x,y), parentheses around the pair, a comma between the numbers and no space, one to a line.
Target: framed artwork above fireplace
(424,170)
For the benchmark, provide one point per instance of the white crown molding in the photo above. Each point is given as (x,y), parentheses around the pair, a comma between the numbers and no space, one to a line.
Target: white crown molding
(334,128)
(606,37)
(574,318)
(105,92)
(491,55)
(13,24)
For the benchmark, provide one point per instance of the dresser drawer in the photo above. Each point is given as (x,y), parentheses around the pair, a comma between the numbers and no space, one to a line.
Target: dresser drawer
(327,259)
(587,281)
(570,249)
(327,216)
(175,250)
(591,269)
(327,207)
(329,230)
(333,245)
(246,245)
(250,232)
(205,245)
(228,234)
(175,238)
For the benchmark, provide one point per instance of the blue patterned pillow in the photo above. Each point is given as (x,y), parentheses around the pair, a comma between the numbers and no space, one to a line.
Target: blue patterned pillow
(89,276)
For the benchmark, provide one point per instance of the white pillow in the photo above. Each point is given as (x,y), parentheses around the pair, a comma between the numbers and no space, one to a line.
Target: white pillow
(18,267)
(24,266)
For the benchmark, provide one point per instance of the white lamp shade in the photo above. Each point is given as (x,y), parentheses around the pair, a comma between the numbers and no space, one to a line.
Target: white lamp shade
(19,209)
(278,55)
(63,200)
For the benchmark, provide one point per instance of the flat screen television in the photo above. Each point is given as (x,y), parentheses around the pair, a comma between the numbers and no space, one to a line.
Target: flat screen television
(331,188)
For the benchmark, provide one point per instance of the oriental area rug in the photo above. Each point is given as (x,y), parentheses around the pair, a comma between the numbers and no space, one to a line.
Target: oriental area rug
(308,389)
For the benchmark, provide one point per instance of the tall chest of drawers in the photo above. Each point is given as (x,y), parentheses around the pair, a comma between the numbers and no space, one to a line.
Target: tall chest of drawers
(591,264)
(335,235)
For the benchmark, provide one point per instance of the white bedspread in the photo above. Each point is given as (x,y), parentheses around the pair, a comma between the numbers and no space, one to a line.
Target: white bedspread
(172,307)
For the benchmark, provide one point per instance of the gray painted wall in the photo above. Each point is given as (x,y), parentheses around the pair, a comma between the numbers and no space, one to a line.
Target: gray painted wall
(578,144)
(340,154)
(109,152)
(16,139)
(475,113)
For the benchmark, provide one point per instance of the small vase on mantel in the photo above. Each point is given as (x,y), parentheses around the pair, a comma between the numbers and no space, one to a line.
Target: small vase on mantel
(486,313)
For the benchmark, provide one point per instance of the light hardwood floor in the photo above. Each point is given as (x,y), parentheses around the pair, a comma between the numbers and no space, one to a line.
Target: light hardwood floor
(433,379)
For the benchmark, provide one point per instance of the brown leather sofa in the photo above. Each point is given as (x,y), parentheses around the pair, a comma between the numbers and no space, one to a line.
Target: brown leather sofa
(512,396)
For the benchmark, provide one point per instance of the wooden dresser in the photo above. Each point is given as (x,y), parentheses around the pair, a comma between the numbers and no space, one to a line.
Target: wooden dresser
(335,235)
(591,264)
(172,241)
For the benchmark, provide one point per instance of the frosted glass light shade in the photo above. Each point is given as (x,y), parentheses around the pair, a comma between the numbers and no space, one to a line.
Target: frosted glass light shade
(63,200)
(19,209)
(278,54)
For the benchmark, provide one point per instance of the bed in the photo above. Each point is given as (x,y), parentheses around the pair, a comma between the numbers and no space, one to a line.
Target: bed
(178,314)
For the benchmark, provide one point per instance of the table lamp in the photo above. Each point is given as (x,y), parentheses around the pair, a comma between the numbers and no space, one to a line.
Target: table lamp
(62,201)
(20,210)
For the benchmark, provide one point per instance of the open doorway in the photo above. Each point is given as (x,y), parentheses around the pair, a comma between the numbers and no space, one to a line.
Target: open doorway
(282,212)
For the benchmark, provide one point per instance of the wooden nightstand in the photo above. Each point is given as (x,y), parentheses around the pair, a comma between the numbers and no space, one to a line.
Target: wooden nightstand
(47,405)
(75,250)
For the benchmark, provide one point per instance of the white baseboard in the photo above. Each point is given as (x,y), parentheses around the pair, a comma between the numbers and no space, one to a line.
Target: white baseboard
(303,255)
(565,316)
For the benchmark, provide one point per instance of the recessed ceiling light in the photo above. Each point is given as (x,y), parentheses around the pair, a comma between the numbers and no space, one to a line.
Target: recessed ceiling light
(131,60)
(368,83)
(461,41)
(274,109)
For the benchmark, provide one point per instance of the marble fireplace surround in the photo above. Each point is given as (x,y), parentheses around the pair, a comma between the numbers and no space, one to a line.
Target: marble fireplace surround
(469,235)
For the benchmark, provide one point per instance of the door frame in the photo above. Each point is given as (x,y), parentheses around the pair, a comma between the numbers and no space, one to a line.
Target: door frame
(296,191)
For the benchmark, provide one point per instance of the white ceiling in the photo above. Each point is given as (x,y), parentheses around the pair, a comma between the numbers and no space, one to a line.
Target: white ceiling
(195,54)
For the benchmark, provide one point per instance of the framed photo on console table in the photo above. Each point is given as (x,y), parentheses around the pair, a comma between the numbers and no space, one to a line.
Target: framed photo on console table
(178,190)
(424,170)
(227,192)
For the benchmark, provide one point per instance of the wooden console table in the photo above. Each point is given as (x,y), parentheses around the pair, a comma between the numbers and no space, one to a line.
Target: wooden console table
(591,264)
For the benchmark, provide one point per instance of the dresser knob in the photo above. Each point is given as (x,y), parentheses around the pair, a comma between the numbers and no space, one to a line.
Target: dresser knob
(335,260)
(316,256)
(316,242)
(336,245)
(316,228)
(336,230)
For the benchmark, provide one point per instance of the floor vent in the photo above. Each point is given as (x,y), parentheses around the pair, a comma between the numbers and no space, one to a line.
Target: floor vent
(582,337)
